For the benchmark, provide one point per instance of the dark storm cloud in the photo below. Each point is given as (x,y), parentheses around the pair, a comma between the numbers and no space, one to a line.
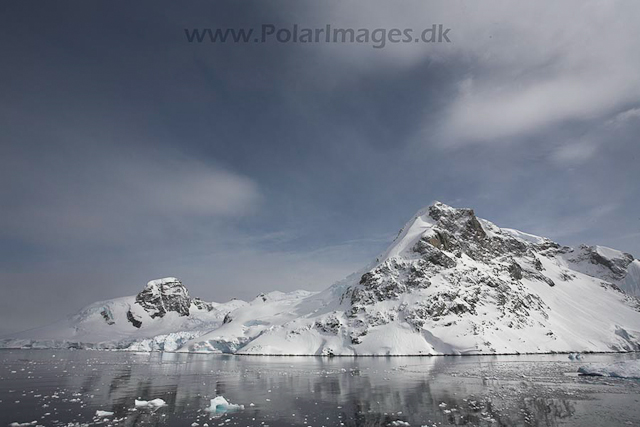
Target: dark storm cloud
(131,154)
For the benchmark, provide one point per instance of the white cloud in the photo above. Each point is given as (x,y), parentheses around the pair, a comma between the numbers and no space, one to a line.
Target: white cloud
(555,64)
(485,112)
(529,66)
(574,153)
(113,197)
(186,187)
(625,116)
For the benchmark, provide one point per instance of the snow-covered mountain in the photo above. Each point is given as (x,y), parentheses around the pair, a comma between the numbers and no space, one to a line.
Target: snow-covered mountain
(450,283)
(161,317)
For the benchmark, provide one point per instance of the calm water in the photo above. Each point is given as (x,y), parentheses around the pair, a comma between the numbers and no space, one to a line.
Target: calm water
(57,388)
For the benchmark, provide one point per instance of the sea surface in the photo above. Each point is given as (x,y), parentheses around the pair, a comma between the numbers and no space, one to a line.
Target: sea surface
(62,388)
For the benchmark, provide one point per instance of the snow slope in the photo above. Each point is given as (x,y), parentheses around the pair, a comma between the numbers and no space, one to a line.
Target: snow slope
(123,323)
(450,283)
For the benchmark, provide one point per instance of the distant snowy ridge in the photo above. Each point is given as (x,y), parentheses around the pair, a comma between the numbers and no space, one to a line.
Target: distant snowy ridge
(450,283)
(161,317)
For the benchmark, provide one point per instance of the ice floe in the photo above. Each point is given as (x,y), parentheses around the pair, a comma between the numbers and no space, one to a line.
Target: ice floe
(626,369)
(153,404)
(220,404)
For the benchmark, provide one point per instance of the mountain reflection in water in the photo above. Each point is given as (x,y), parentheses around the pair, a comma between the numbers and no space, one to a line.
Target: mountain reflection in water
(61,387)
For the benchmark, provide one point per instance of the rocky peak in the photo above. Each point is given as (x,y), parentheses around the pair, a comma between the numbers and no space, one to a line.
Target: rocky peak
(459,261)
(461,221)
(609,263)
(440,210)
(617,262)
(163,295)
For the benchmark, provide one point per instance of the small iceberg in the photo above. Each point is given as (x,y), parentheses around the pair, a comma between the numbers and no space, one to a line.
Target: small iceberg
(220,405)
(153,404)
(103,414)
(627,369)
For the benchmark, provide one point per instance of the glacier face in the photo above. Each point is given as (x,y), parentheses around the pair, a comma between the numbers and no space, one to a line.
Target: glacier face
(450,283)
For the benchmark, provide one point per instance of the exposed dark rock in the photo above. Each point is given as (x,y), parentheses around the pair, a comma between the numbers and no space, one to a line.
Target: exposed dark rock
(202,305)
(107,316)
(131,318)
(441,240)
(330,325)
(617,266)
(433,255)
(515,270)
(537,264)
(567,276)
(164,295)
(462,221)
(366,278)
(227,318)
(417,277)
(611,286)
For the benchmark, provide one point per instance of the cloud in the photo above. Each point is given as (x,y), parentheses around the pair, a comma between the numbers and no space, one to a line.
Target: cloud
(185,187)
(112,195)
(625,116)
(523,68)
(574,153)
(547,68)
(484,112)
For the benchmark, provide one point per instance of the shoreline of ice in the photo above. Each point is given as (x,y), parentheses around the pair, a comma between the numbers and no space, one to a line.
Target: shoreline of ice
(626,369)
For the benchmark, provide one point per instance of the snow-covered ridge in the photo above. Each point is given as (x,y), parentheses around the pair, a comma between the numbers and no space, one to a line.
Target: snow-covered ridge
(164,281)
(161,317)
(450,283)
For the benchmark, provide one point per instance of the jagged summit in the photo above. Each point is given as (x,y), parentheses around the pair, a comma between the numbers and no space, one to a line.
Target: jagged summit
(450,283)
(458,231)
(163,295)
(165,281)
(454,283)
(168,294)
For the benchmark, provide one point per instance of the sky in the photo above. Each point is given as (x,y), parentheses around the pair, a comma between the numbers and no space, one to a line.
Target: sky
(130,154)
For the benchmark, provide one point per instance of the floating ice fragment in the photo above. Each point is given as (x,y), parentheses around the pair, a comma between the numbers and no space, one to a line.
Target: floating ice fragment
(153,404)
(101,414)
(15,424)
(220,404)
(626,369)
